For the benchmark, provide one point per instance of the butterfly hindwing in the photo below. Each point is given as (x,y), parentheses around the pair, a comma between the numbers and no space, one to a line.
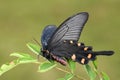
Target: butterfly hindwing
(47,34)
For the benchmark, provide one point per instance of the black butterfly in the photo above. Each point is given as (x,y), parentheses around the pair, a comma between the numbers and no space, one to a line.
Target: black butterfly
(61,43)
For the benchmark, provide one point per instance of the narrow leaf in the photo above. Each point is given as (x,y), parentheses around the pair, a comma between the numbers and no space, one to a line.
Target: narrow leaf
(71,65)
(21,55)
(95,64)
(26,60)
(17,55)
(33,47)
(45,66)
(90,72)
(105,76)
(69,76)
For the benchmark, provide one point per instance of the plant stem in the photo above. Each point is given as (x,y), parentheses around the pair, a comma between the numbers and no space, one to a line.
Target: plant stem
(62,70)
(77,76)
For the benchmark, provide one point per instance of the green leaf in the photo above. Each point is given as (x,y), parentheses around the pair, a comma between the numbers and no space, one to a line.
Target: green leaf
(19,55)
(26,60)
(90,72)
(69,76)
(72,65)
(23,57)
(105,76)
(34,48)
(45,66)
(5,67)
(95,64)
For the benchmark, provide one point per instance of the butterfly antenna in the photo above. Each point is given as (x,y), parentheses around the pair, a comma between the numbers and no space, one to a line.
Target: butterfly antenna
(38,56)
(36,41)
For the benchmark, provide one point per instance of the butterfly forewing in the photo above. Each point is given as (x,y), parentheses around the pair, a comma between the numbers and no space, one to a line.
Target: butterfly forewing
(70,29)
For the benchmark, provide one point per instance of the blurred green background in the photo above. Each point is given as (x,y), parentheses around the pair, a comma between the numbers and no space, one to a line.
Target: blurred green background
(21,20)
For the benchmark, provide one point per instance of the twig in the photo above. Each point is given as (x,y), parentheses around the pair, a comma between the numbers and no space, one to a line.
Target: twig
(77,76)
(62,70)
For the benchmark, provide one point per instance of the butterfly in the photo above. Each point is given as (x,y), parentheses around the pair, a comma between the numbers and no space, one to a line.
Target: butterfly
(61,43)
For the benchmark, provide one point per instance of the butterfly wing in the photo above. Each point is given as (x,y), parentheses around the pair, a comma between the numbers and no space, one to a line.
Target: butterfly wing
(70,29)
(46,35)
